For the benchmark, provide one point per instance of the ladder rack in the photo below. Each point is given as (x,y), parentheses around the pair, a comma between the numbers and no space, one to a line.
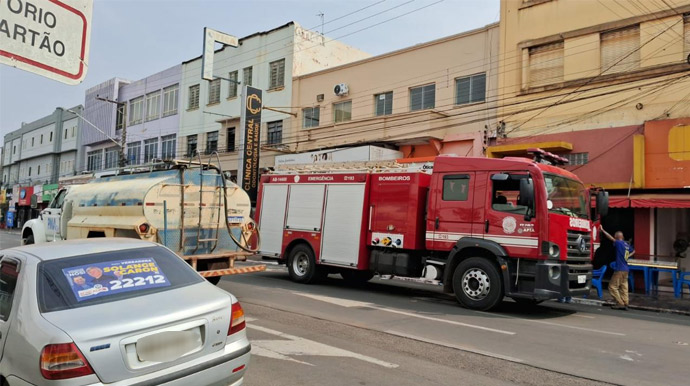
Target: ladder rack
(350,167)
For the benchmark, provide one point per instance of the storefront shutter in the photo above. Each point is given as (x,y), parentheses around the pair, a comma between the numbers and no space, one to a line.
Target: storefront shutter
(620,50)
(546,64)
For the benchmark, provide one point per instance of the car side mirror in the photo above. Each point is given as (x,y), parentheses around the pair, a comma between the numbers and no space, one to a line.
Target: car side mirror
(527,197)
(603,203)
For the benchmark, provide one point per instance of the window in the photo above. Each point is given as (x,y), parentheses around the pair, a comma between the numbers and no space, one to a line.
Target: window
(74,128)
(506,193)
(310,117)
(41,140)
(153,106)
(470,89)
(456,187)
(38,170)
(170,100)
(277,74)
(247,76)
(65,133)
(111,157)
(14,149)
(51,137)
(191,145)
(546,64)
(231,139)
(32,141)
(29,171)
(423,97)
(576,158)
(384,103)
(342,112)
(214,91)
(136,110)
(93,160)
(620,50)
(134,153)
(168,144)
(275,132)
(193,97)
(150,149)
(211,142)
(232,92)
(9,273)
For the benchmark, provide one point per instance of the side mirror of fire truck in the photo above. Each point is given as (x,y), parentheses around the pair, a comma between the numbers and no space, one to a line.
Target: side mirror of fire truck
(602,203)
(527,197)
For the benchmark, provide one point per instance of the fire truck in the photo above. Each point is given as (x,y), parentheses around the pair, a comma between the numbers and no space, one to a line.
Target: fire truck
(481,228)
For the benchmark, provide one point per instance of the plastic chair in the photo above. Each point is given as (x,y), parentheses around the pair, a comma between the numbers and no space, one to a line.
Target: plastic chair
(682,278)
(597,278)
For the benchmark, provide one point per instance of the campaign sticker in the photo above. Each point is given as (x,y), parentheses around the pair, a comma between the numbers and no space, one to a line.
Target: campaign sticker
(113,277)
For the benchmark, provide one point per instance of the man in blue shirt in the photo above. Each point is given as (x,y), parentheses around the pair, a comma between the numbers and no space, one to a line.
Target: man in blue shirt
(618,286)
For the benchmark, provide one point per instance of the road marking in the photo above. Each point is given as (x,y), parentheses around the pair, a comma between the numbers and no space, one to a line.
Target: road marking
(355,303)
(297,346)
(551,323)
(454,346)
(582,316)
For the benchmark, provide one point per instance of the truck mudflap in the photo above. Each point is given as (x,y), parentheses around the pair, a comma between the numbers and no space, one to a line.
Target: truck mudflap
(233,271)
(555,279)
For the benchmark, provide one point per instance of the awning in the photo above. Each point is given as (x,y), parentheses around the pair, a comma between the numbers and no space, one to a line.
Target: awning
(650,201)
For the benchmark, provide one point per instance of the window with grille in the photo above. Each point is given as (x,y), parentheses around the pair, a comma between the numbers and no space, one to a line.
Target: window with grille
(470,89)
(150,149)
(686,33)
(214,91)
(546,64)
(112,155)
(94,160)
(134,153)
(193,97)
(620,50)
(170,100)
(384,103)
(136,110)
(423,97)
(232,90)
(153,105)
(247,76)
(168,147)
(310,117)
(120,119)
(211,142)
(274,132)
(231,139)
(576,158)
(191,145)
(342,111)
(277,74)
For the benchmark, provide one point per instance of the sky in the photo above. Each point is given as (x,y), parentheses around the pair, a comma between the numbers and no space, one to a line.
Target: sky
(132,39)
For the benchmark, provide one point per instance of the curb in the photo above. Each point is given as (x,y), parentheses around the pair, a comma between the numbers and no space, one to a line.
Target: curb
(602,303)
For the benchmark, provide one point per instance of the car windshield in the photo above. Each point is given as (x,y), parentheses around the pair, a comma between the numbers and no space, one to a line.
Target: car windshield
(566,196)
(110,276)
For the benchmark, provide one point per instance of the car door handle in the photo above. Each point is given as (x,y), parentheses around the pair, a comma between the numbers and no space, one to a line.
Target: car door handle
(436,223)
(486,226)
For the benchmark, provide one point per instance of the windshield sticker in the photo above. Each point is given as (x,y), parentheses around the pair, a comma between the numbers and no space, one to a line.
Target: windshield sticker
(112,277)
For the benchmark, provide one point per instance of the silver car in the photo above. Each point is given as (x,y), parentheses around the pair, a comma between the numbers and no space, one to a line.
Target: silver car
(117,312)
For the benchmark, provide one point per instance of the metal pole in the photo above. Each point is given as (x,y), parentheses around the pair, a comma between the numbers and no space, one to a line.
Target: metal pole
(165,223)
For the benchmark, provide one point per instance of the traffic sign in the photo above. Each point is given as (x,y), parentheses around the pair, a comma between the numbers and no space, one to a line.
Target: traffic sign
(49,38)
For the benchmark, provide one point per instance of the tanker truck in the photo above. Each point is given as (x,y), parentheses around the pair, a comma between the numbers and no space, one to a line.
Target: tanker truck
(188,206)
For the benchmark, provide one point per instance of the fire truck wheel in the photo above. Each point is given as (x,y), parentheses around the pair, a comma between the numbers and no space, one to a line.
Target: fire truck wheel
(357,277)
(302,265)
(477,284)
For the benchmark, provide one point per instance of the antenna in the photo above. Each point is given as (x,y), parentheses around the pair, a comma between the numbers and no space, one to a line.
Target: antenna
(321,15)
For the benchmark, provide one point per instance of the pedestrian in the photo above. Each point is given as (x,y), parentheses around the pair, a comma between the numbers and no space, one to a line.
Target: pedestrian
(618,286)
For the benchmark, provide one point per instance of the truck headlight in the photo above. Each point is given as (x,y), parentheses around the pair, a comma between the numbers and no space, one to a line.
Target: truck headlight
(554,251)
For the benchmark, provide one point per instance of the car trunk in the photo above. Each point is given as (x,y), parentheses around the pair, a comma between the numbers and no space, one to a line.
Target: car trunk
(140,335)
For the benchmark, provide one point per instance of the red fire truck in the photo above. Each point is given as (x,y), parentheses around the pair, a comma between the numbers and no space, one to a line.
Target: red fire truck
(483,228)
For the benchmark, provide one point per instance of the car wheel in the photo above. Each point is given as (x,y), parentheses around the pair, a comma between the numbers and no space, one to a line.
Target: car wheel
(477,284)
(29,240)
(302,265)
(357,277)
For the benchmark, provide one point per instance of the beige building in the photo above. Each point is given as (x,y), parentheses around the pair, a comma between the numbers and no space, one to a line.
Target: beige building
(428,99)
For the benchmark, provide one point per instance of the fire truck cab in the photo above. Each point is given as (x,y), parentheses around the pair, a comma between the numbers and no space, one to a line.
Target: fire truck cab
(482,228)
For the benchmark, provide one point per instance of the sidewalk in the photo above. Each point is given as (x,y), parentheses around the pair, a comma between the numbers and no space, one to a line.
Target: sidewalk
(663,302)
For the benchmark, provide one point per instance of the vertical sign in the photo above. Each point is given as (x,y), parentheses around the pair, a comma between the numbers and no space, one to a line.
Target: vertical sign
(248,173)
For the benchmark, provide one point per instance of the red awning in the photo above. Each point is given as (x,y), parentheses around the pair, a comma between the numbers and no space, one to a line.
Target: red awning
(650,201)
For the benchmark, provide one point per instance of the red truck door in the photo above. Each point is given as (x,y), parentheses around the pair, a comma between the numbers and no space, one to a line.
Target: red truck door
(452,202)
(505,215)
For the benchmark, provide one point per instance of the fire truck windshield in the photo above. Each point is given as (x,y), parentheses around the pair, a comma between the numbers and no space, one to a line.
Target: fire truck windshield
(566,196)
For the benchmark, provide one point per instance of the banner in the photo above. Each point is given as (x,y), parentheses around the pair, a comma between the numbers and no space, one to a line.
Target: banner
(25,195)
(248,173)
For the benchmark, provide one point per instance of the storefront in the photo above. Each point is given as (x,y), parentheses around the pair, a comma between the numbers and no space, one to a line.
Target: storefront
(48,193)
(24,211)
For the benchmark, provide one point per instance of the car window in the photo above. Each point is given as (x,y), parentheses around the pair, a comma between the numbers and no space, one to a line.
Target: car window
(57,201)
(505,195)
(110,276)
(455,188)
(9,273)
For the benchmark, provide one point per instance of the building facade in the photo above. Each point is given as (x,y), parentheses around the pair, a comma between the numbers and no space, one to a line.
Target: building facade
(606,85)
(428,99)
(210,111)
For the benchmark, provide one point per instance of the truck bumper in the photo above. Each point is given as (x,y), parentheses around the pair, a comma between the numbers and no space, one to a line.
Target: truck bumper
(556,279)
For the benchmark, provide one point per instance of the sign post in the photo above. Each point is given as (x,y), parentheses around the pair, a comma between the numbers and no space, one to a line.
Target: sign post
(250,120)
(48,38)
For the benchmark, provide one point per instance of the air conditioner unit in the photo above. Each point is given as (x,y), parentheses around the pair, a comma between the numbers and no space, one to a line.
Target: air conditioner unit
(340,89)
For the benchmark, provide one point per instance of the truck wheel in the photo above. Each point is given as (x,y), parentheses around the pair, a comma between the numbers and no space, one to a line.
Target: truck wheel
(29,240)
(477,284)
(357,277)
(302,265)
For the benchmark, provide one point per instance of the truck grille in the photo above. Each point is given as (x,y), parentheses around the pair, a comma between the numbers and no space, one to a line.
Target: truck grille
(575,241)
